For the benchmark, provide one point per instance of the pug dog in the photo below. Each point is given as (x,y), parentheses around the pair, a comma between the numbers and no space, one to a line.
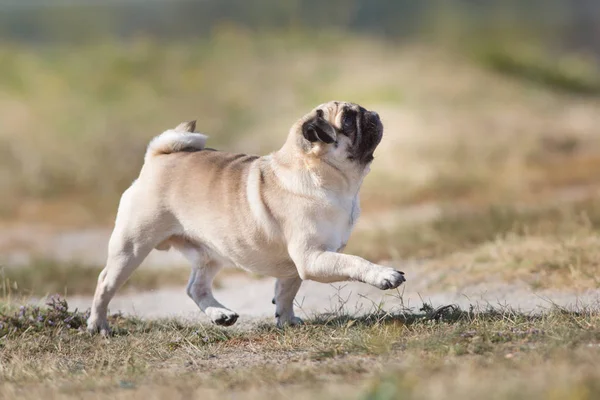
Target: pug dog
(287,215)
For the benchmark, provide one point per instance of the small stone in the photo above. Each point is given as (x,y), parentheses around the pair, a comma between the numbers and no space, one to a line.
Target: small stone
(126,384)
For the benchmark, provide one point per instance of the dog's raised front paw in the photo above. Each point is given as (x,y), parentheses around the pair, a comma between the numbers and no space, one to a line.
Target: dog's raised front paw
(389,278)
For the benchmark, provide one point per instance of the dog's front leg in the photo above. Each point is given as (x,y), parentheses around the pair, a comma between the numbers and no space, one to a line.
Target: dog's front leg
(328,267)
(285,292)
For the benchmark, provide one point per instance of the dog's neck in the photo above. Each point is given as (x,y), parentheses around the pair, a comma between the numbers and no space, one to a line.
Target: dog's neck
(309,173)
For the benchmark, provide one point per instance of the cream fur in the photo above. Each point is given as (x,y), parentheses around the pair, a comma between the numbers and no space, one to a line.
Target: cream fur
(175,140)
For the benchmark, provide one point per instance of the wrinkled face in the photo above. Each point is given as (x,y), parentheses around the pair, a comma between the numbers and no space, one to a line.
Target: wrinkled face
(342,133)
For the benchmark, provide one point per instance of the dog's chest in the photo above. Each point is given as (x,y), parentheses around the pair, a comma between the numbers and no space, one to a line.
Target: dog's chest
(336,227)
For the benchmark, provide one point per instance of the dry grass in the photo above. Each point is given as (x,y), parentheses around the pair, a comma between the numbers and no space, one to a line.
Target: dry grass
(411,354)
(569,263)
(553,246)
(459,229)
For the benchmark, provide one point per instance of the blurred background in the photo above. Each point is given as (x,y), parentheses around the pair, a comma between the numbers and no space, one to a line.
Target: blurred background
(491,111)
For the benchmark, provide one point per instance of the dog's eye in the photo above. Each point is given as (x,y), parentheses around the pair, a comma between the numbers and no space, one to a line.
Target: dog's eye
(348,122)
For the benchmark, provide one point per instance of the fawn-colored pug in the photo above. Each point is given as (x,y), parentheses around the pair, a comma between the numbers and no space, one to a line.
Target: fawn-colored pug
(286,215)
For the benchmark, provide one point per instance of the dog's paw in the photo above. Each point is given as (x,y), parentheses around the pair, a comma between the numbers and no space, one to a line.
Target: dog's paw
(389,278)
(95,326)
(289,321)
(223,317)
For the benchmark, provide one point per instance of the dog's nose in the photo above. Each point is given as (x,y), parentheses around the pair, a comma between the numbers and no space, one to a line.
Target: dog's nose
(375,115)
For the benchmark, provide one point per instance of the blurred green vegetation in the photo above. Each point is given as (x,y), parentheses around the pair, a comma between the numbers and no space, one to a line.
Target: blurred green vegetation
(84,85)
(84,20)
(48,277)
(562,52)
(455,231)
(77,119)
(567,72)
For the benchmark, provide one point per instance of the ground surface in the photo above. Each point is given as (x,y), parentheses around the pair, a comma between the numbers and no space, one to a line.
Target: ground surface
(416,354)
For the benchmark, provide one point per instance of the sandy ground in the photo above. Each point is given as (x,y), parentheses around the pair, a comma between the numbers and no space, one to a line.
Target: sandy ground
(251,298)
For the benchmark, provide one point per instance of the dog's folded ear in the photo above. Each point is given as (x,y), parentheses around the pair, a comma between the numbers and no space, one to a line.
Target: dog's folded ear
(318,129)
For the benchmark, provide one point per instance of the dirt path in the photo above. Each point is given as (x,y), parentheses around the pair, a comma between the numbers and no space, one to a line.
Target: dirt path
(251,298)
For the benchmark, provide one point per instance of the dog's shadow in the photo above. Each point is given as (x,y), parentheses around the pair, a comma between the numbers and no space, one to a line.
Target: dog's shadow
(447,314)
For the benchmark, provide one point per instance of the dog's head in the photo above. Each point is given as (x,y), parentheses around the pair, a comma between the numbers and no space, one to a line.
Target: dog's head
(341,134)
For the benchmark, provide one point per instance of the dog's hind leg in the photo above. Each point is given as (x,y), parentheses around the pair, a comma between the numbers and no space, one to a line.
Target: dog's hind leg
(132,239)
(285,292)
(199,287)
(124,256)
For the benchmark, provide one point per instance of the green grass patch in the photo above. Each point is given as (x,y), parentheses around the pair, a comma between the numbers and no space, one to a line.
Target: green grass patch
(566,73)
(43,276)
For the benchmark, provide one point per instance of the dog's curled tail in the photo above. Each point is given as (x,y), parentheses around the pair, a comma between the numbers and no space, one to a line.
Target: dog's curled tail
(182,138)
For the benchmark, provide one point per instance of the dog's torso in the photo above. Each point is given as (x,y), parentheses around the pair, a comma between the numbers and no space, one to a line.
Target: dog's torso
(241,210)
